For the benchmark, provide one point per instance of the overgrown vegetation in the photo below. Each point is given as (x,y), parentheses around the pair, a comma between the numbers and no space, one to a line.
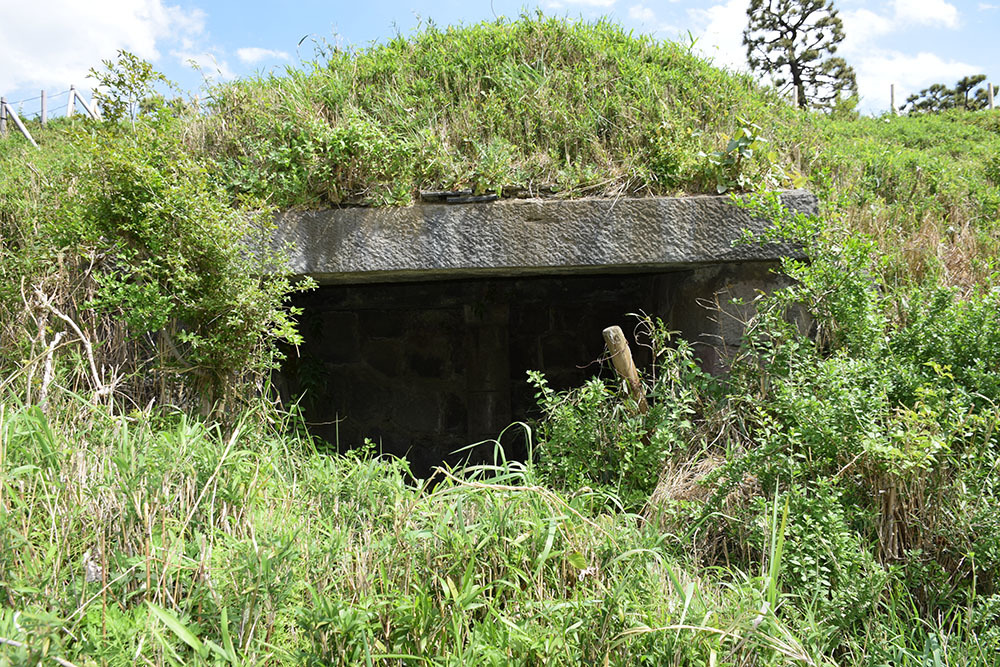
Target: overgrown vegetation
(119,241)
(534,106)
(925,189)
(876,432)
(831,501)
(176,542)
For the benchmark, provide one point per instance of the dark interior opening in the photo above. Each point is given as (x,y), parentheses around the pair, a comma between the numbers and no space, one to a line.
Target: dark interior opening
(426,368)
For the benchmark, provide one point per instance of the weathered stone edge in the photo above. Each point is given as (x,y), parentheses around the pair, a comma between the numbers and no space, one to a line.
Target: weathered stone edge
(519,237)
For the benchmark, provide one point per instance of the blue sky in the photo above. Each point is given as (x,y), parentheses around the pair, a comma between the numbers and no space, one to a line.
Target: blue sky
(52,43)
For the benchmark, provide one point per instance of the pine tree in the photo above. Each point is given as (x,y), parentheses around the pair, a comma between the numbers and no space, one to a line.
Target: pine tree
(793,42)
(939,97)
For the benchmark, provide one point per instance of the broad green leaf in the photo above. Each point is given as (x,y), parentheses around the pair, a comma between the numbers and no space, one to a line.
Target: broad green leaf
(178,629)
(577,560)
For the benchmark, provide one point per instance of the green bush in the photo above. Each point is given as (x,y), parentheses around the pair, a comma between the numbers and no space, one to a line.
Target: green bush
(827,568)
(132,237)
(883,429)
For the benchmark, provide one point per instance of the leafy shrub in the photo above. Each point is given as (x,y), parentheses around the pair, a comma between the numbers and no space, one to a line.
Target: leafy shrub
(135,242)
(825,564)
(879,426)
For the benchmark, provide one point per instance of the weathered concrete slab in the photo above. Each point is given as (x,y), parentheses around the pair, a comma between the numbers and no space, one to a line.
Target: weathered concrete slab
(523,237)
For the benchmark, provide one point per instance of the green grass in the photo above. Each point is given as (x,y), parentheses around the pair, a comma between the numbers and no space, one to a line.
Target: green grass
(536,105)
(927,188)
(242,546)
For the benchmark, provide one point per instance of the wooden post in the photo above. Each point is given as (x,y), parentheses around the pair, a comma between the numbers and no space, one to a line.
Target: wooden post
(72,99)
(621,357)
(989,94)
(86,107)
(20,126)
(3,116)
(45,109)
(892,98)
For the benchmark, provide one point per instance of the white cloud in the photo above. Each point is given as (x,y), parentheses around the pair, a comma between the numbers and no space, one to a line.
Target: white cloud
(254,54)
(720,33)
(926,12)
(861,26)
(641,13)
(878,70)
(720,36)
(650,22)
(985,6)
(54,43)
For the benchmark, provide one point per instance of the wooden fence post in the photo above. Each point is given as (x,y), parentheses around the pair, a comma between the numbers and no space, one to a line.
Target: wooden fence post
(989,94)
(892,98)
(45,109)
(621,357)
(3,116)
(92,111)
(72,99)
(16,119)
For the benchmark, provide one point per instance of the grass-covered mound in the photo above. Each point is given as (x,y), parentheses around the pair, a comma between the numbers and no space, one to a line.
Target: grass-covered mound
(534,105)
(132,227)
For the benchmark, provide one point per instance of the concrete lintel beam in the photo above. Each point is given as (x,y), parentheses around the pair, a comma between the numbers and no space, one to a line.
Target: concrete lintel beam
(518,237)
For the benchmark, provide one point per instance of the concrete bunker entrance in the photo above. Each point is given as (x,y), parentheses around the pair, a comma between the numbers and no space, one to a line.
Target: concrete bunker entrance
(424,369)
(429,316)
